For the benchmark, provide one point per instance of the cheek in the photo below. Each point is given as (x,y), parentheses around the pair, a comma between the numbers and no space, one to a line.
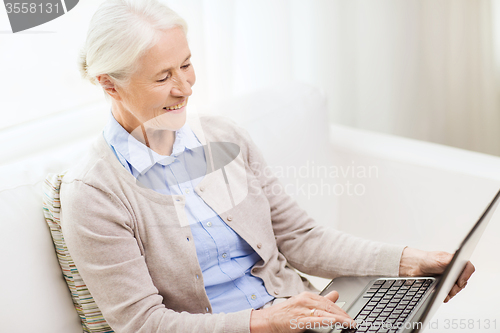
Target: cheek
(147,97)
(158,97)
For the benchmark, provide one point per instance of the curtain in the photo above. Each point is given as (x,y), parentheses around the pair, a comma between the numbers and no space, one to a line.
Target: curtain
(424,69)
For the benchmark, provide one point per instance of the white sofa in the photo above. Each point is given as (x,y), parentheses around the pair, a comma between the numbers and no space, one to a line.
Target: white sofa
(402,191)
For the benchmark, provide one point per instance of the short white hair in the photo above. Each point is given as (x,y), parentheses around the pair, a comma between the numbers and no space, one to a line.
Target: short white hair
(120,32)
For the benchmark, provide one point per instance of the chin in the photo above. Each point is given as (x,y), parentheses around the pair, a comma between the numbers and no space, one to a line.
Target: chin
(168,121)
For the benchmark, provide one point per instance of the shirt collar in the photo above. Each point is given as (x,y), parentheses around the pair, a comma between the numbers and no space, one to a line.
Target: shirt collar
(138,154)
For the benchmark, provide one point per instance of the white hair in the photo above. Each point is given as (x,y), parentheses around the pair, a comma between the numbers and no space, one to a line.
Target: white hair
(120,32)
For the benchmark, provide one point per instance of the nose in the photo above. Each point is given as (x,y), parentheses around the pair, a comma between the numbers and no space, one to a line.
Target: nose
(181,87)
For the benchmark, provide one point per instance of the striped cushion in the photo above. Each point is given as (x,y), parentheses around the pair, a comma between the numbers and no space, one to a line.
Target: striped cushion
(90,315)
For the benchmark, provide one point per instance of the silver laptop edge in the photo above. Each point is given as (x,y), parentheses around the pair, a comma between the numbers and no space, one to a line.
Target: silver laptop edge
(457,264)
(352,289)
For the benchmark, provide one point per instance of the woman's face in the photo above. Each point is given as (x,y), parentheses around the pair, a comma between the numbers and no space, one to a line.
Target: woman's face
(161,83)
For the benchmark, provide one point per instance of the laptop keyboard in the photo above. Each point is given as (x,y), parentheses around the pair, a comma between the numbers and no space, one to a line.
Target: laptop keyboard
(391,301)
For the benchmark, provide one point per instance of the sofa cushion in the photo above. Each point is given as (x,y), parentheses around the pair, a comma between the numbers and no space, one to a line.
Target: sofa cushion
(34,295)
(91,317)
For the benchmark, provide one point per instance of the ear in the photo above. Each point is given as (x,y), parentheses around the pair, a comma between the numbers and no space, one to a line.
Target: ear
(108,85)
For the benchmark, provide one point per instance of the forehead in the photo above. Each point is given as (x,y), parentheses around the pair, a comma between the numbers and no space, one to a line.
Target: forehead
(170,50)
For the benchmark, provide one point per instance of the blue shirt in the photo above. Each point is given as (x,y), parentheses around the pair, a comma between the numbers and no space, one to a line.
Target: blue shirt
(225,258)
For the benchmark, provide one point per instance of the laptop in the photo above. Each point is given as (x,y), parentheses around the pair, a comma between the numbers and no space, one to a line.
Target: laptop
(402,304)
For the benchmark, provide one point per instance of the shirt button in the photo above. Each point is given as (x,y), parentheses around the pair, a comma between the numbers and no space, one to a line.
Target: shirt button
(276,292)
(229,218)
(253,296)
(259,245)
(224,255)
(187,191)
(202,189)
(209,224)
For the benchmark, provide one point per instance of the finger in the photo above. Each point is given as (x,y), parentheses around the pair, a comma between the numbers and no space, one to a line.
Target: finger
(321,313)
(455,290)
(330,305)
(332,296)
(330,319)
(326,303)
(466,274)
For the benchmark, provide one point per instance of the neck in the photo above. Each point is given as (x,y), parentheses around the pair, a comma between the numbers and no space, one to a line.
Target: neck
(160,141)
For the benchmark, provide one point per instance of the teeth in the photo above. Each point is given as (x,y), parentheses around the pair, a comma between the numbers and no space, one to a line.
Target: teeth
(178,106)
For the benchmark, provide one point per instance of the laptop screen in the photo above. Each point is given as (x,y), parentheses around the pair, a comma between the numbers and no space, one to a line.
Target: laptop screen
(457,264)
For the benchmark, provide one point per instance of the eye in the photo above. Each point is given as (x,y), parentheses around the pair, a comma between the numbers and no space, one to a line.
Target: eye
(163,80)
(166,78)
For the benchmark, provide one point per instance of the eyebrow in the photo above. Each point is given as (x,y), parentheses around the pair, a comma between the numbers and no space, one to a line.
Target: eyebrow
(168,69)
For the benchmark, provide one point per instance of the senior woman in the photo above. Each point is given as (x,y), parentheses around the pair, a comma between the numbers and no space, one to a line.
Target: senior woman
(146,215)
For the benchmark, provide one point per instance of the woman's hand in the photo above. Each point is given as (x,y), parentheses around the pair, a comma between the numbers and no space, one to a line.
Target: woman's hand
(416,262)
(295,313)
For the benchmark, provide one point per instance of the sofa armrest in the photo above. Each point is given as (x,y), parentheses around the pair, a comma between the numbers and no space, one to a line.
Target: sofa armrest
(407,189)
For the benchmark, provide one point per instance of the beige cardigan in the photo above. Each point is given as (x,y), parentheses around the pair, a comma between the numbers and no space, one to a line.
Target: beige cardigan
(135,252)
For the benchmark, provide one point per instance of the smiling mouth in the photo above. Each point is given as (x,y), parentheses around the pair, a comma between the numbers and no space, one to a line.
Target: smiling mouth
(176,107)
